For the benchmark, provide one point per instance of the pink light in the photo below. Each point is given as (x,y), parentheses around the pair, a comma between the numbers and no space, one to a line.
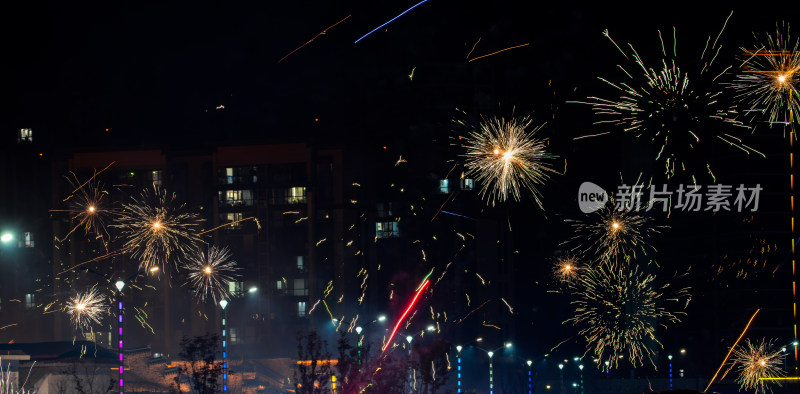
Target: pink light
(120,357)
(408,309)
(120,369)
(120,331)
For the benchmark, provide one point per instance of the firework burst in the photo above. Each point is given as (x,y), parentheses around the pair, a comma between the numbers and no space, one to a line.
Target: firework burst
(156,228)
(617,311)
(210,272)
(567,269)
(680,116)
(505,156)
(86,308)
(757,362)
(614,232)
(89,208)
(768,82)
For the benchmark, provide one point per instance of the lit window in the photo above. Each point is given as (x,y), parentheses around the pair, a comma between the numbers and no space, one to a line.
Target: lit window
(300,264)
(30,301)
(234,335)
(279,285)
(300,287)
(229,175)
(301,308)
(235,218)
(236,197)
(467,184)
(25,135)
(155,176)
(26,241)
(387,230)
(444,186)
(236,288)
(296,195)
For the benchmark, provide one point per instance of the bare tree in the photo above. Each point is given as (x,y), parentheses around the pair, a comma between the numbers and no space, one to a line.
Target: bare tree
(200,366)
(313,369)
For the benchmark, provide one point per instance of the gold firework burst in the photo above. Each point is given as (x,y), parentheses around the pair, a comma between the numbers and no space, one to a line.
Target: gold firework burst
(757,361)
(86,308)
(156,228)
(769,81)
(210,272)
(505,156)
(617,311)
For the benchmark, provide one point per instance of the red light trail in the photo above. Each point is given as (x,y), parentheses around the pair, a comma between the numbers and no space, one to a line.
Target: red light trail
(408,309)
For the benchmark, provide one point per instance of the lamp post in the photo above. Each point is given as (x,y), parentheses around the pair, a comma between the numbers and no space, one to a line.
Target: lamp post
(580,367)
(458,361)
(491,366)
(120,284)
(530,377)
(223,303)
(409,338)
(358,331)
(561,382)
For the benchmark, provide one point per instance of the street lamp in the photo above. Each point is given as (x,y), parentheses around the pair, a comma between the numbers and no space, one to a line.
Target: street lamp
(561,372)
(223,303)
(670,371)
(6,238)
(530,377)
(580,367)
(409,338)
(458,358)
(120,284)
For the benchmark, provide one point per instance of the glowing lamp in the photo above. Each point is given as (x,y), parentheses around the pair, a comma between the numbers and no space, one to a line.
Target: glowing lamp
(529,362)
(120,284)
(223,304)
(358,330)
(458,348)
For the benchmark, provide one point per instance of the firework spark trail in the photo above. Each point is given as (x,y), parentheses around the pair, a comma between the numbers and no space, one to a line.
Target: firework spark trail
(314,38)
(233,223)
(155,228)
(769,81)
(473,48)
(86,308)
(732,347)
(210,273)
(617,310)
(496,52)
(390,21)
(756,364)
(662,104)
(403,316)
(504,156)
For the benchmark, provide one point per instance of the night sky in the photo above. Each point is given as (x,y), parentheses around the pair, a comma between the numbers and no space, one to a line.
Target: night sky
(144,75)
